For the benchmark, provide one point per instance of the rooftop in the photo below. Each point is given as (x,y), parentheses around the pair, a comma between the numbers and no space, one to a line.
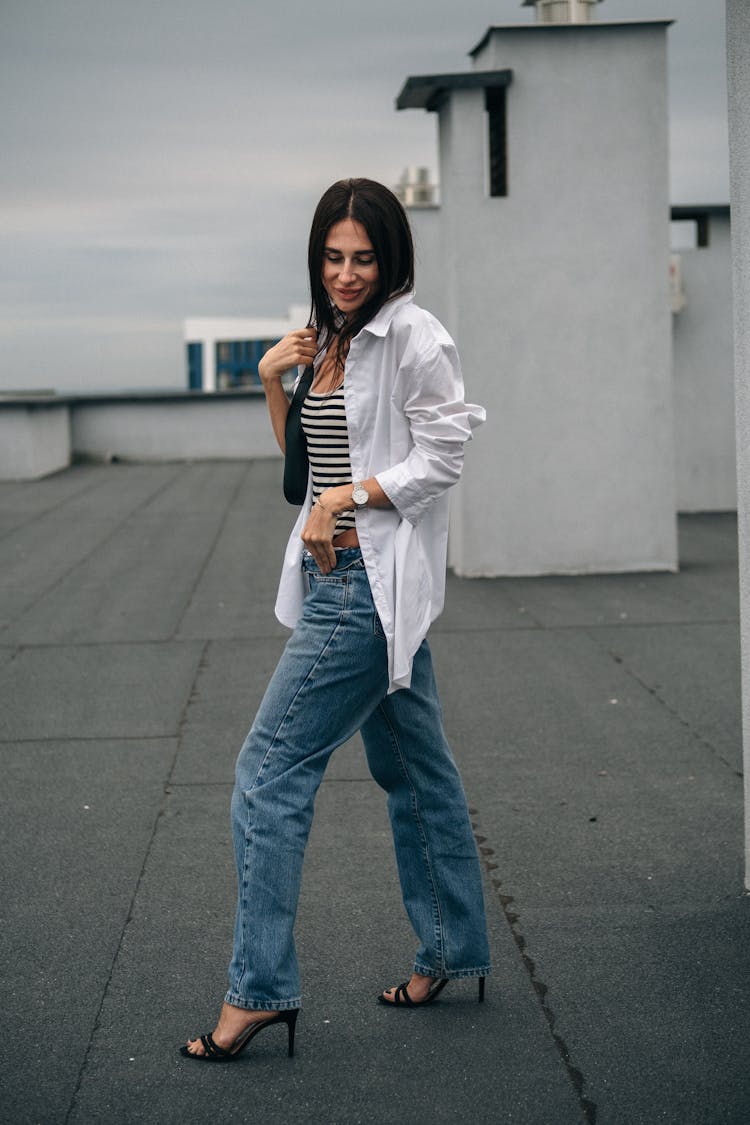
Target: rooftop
(596,723)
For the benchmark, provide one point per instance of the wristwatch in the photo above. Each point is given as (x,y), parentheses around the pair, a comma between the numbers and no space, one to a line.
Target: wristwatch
(360,495)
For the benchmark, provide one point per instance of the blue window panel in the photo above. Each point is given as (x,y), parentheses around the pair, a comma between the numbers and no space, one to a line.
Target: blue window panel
(195,366)
(237,361)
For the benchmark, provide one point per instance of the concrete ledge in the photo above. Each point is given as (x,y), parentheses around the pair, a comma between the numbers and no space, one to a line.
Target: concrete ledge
(40,434)
(34,437)
(181,426)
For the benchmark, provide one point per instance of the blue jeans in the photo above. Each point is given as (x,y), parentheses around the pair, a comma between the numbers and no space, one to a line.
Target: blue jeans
(331,681)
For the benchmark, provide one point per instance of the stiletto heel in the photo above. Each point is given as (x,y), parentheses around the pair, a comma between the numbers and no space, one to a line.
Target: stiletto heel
(481,989)
(215,1053)
(291,1023)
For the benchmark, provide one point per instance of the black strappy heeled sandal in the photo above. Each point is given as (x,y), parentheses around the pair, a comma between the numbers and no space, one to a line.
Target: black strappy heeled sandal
(402,999)
(215,1053)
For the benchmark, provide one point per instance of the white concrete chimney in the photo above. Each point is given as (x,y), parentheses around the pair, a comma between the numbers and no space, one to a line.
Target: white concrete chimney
(563,11)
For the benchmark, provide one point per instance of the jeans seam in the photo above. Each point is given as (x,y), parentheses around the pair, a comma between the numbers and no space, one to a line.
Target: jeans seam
(301,688)
(426,851)
(238,1001)
(453,974)
(254,785)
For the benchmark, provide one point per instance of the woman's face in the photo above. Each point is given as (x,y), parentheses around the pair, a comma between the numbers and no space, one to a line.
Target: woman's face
(350,268)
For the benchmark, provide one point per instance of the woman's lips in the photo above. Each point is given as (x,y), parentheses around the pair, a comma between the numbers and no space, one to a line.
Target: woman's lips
(348,294)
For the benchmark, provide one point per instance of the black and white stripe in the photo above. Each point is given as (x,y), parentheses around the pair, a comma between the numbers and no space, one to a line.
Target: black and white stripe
(324,423)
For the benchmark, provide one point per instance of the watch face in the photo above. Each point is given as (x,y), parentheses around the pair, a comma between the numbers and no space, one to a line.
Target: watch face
(360,495)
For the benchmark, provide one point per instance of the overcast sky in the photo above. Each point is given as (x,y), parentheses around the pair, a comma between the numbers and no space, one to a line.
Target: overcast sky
(162,159)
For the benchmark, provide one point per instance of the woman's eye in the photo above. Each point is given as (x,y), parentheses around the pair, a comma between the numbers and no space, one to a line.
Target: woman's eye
(337,259)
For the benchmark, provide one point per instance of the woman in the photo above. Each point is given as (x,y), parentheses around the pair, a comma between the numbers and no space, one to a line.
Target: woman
(363,577)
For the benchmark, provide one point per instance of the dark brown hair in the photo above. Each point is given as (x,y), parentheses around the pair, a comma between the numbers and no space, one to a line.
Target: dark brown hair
(382,216)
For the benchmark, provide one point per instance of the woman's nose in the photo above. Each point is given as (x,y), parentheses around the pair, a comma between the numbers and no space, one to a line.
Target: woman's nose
(347,270)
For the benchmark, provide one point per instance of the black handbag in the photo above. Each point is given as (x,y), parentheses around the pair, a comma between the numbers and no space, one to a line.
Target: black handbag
(296,464)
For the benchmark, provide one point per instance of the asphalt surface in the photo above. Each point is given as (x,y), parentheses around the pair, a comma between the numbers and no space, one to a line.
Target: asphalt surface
(596,723)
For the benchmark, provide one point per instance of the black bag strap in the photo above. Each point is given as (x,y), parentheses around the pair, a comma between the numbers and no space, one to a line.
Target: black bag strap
(296,464)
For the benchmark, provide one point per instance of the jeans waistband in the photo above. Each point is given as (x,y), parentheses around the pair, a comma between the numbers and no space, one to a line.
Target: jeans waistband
(346,557)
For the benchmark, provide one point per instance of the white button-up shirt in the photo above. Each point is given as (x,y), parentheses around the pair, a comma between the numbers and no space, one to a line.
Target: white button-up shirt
(407,422)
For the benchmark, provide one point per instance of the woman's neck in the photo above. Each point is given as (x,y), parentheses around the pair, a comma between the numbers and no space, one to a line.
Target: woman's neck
(330,373)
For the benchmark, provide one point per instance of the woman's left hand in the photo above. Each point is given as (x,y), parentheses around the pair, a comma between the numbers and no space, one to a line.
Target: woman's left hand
(317,535)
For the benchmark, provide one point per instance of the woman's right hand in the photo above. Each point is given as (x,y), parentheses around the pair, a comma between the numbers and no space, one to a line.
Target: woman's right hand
(298,347)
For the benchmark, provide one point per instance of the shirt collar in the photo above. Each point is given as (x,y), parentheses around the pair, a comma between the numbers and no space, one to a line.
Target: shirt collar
(381,322)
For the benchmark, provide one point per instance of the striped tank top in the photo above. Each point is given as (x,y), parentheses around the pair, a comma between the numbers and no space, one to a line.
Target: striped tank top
(324,423)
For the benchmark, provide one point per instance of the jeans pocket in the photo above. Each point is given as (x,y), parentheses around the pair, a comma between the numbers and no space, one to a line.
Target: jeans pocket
(328,593)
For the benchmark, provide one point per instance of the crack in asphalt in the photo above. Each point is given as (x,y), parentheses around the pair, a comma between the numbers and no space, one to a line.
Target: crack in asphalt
(160,814)
(541,990)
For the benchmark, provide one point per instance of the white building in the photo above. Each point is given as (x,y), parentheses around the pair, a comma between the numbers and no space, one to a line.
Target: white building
(547,260)
(703,361)
(700,273)
(224,352)
(738,74)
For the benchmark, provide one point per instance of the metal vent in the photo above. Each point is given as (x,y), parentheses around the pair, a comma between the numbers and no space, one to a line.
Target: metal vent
(415,189)
(563,11)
